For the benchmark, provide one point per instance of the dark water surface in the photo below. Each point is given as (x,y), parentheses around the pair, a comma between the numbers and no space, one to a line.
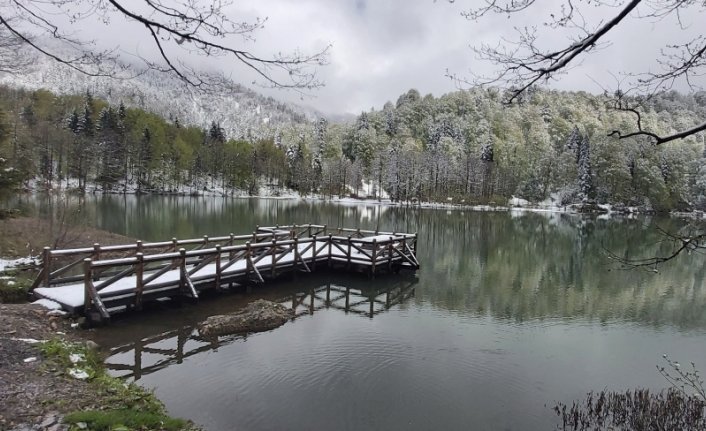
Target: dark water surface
(509,313)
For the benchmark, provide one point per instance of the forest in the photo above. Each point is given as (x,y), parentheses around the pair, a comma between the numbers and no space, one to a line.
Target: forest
(463,147)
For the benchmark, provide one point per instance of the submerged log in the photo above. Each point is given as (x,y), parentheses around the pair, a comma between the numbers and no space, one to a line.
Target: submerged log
(260,315)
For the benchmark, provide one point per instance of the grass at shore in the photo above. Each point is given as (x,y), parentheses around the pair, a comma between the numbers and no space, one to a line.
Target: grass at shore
(125,406)
(26,236)
(14,287)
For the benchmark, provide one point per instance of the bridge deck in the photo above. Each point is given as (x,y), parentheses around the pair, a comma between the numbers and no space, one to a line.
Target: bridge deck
(111,285)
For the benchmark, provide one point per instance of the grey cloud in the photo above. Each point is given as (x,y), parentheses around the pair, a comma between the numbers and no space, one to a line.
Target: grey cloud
(383,48)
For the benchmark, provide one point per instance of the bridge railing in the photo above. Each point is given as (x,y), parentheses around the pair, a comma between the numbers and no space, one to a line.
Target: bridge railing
(228,261)
(59,266)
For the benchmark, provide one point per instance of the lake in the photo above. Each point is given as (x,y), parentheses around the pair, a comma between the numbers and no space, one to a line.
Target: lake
(510,312)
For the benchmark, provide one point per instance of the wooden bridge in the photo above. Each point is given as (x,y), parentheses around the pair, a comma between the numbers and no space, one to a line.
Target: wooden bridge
(119,277)
(174,346)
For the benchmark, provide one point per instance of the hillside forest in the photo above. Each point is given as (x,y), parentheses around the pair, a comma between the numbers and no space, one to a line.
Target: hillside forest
(463,147)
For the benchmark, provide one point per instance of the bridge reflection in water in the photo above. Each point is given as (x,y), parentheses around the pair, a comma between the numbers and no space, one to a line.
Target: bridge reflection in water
(155,352)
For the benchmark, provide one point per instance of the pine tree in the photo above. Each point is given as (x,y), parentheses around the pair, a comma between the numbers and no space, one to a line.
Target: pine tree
(317,161)
(573,142)
(144,158)
(585,177)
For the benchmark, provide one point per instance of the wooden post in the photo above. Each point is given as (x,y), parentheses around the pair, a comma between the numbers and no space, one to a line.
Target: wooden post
(325,230)
(254,237)
(389,255)
(247,259)
(182,270)
(46,263)
(314,252)
(404,246)
(274,257)
(373,256)
(414,245)
(205,241)
(348,257)
(309,231)
(96,256)
(296,254)
(330,248)
(230,243)
(140,286)
(138,244)
(218,267)
(87,280)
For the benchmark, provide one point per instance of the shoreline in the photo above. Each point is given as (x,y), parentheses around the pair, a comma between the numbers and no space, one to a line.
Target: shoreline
(49,364)
(513,205)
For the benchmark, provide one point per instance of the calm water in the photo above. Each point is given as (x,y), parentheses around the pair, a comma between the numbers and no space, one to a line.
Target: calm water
(509,313)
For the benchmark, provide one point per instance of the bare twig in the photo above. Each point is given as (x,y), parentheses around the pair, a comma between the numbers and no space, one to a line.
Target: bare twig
(524,63)
(680,244)
(196,27)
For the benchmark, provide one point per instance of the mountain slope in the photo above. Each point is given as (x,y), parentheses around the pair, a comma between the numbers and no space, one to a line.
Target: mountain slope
(243,114)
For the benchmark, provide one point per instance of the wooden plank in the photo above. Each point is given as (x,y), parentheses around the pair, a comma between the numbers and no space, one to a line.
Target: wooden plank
(148,268)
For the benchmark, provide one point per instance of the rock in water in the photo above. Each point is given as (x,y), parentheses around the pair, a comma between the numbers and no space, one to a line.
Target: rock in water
(260,315)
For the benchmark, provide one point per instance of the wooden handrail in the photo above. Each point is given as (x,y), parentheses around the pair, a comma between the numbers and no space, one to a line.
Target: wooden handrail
(382,248)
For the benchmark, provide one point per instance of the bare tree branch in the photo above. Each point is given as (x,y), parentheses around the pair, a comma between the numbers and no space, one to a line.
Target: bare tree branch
(621,103)
(523,63)
(680,244)
(192,26)
(13,56)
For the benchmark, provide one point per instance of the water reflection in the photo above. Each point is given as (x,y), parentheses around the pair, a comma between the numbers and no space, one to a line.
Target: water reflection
(153,352)
(546,266)
(511,312)
(516,266)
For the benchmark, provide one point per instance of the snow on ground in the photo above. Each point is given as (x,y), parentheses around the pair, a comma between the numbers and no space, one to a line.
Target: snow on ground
(48,304)
(518,202)
(12,263)
(205,187)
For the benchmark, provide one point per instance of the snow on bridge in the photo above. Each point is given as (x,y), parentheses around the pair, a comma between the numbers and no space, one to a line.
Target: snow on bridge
(109,281)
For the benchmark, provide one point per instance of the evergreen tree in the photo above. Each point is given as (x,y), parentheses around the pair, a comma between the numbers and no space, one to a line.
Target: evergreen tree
(585,178)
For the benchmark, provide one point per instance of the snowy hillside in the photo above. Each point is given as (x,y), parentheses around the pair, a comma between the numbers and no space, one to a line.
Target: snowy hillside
(244,114)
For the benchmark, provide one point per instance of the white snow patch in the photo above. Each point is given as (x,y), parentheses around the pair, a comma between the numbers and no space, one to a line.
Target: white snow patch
(30,359)
(27,340)
(59,313)
(48,304)
(75,358)
(22,261)
(78,373)
(518,202)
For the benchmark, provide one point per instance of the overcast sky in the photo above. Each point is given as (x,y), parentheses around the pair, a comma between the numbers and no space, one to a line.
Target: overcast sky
(382,48)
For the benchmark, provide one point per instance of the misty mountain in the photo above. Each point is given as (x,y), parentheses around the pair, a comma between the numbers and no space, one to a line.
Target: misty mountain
(242,114)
